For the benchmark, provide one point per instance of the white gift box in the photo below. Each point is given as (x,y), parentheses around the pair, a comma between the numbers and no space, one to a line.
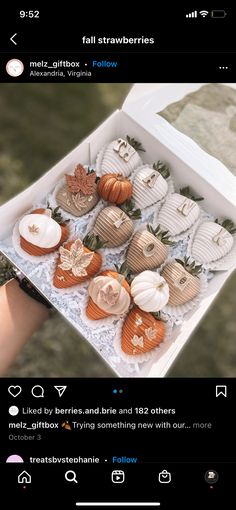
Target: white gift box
(190,166)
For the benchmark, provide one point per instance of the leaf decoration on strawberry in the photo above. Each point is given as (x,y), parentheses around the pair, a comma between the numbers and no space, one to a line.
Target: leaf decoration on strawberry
(75,259)
(109,294)
(81,181)
(78,261)
(142,331)
(79,195)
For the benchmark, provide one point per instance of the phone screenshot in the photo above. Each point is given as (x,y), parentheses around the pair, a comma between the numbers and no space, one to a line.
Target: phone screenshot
(117,258)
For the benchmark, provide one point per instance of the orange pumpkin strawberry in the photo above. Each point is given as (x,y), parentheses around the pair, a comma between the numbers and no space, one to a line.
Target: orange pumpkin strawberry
(78,261)
(42,231)
(115,188)
(119,274)
(109,294)
(141,332)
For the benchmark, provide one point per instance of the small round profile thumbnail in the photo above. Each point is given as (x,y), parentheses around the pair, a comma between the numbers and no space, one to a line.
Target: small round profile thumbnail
(14,67)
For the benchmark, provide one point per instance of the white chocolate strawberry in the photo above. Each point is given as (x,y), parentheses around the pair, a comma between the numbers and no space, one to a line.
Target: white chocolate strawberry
(148,187)
(212,241)
(150,291)
(178,214)
(119,157)
(40,230)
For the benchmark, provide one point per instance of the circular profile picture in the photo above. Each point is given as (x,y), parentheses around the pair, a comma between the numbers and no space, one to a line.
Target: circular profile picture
(14,459)
(211,476)
(13,410)
(14,67)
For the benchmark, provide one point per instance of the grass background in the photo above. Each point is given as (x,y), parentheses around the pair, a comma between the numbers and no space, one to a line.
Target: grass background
(39,124)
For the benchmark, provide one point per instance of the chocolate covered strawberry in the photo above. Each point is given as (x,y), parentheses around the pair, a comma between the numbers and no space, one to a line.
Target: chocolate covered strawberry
(78,261)
(182,277)
(119,157)
(213,240)
(79,194)
(42,231)
(109,294)
(114,225)
(115,188)
(150,184)
(179,212)
(148,249)
(141,332)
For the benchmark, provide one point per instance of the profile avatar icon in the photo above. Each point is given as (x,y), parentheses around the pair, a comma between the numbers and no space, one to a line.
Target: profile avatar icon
(14,458)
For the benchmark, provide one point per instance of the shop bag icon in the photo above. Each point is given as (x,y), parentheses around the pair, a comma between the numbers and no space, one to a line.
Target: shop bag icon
(164,476)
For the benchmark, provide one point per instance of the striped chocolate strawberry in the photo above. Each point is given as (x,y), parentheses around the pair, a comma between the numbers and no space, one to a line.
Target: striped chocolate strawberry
(148,249)
(119,157)
(150,184)
(142,332)
(179,212)
(182,277)
(114,225)
(213,240)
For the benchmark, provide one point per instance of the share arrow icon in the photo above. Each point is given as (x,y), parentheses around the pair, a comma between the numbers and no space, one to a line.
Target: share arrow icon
(60,390)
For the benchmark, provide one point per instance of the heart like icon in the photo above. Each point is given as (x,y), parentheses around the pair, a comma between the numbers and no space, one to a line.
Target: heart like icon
(14,390)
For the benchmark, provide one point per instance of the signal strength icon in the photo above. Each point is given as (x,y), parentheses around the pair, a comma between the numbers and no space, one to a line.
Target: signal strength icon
(191,14)
(203,13)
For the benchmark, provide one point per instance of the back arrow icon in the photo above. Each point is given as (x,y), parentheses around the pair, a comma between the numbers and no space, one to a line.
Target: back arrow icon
(12,39)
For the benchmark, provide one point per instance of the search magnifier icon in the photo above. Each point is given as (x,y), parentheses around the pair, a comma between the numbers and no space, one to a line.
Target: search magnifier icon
(37,391)
(70,476)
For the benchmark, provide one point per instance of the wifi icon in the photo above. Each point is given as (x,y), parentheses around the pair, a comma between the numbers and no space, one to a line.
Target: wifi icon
(203,13)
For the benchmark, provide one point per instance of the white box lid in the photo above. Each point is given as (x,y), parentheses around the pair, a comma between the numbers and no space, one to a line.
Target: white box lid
(142,104)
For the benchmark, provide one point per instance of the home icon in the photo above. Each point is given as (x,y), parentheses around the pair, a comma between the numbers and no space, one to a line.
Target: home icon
(24,477)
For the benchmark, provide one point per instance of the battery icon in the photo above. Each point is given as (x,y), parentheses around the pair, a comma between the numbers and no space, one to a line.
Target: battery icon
(218,14)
